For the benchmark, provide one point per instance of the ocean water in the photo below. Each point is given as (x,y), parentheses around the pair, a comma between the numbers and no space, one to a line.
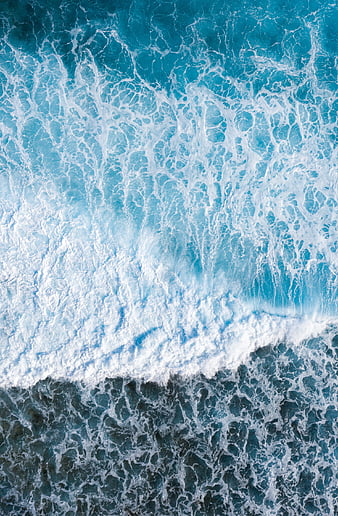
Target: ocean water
(168,257)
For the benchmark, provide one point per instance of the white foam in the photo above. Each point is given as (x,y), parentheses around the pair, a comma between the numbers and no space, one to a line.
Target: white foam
(80,302)
(103,199)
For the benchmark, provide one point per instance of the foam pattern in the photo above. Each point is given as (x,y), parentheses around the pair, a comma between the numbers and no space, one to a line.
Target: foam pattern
(261,440)
(168,257)
(168,184)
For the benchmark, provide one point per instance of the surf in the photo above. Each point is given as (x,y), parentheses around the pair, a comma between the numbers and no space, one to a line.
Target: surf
(167,205)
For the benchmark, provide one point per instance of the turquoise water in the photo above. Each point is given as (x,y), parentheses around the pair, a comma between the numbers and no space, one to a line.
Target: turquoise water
(168,210)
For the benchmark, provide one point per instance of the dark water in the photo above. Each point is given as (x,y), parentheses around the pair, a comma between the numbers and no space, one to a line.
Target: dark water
(262,440)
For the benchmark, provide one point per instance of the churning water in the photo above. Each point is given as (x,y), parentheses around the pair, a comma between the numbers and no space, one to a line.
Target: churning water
(169,257)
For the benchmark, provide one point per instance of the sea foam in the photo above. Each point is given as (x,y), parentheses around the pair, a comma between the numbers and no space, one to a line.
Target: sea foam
(157,220)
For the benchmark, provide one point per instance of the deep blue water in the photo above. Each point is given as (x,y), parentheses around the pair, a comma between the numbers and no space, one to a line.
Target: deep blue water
(168,257)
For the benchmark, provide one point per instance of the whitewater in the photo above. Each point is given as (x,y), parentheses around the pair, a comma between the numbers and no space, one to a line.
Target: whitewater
(168,257)
(167,216)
